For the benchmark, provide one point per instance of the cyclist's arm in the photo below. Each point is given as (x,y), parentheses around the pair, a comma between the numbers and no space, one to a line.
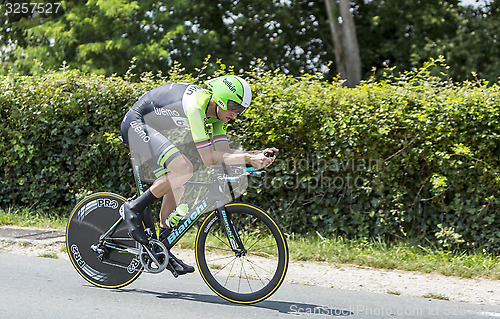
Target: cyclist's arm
(221,144)
(257,159)
(211,155)
(218,150)
(208,154)
(219,140)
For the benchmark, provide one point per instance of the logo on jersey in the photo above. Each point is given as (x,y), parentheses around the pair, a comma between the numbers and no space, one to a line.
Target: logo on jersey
(166,112)
(180,121)
(140,131)
(192,89)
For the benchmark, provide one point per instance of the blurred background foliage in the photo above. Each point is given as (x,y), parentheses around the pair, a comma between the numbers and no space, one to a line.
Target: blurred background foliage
(102,37)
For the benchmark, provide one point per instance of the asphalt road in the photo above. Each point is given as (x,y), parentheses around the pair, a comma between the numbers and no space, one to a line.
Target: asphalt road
(34,287)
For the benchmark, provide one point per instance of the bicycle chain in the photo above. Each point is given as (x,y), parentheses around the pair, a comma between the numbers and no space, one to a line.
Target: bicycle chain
(121,266)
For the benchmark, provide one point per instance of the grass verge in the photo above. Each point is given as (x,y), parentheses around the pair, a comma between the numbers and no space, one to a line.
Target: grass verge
(431,295)
(401,255)
(28,218)
(410,256)
(49,255)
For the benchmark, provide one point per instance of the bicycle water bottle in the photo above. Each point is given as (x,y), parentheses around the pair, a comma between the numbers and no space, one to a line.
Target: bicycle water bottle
(176,216)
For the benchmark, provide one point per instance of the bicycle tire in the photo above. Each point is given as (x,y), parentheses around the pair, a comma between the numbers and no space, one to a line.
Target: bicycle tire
(261,270)
(91,218)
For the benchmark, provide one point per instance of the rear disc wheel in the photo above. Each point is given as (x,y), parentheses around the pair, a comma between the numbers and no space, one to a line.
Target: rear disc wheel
(91,218)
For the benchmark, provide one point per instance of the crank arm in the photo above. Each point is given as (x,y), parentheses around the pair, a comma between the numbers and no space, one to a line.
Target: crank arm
(150,254)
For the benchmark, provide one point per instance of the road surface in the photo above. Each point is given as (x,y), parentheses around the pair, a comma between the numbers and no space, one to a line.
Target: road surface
(41,288)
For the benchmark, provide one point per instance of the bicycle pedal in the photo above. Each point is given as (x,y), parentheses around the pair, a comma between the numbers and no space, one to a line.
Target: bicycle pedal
(172,270)
(150,233)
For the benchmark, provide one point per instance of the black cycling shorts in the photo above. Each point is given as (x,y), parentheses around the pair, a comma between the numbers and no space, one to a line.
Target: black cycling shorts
(144,140)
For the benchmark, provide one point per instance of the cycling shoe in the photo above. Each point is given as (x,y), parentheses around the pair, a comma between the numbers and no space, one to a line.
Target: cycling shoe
(175,265)
(133,220)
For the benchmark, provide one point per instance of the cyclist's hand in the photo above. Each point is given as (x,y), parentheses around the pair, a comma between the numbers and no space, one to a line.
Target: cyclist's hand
(271,152)
(262,159)
(259,161)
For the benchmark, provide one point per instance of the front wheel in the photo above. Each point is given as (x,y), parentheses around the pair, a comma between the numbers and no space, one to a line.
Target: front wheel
(247,277)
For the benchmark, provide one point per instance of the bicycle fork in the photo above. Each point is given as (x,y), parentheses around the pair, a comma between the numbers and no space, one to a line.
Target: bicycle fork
(232,234)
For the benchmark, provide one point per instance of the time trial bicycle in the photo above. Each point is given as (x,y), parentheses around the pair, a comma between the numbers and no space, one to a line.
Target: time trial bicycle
(240,250)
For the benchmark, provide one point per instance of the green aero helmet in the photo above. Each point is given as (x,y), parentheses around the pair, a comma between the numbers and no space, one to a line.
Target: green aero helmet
(231,92)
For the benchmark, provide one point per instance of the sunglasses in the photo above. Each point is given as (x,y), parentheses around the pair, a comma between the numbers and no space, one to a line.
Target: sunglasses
(235,107)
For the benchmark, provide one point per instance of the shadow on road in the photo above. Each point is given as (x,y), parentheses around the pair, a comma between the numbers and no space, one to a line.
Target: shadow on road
(281,306)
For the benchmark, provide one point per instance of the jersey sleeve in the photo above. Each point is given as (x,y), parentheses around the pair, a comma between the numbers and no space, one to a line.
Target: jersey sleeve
(196,119)
(219,132)
(195,111)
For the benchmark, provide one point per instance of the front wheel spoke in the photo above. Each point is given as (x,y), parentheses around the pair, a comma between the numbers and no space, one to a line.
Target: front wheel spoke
(259,249)
(220,258)
(218,248)
(252,264)
(255,271)
(222,241)
(230,271)
(224,267)
(245,276)
(256,241)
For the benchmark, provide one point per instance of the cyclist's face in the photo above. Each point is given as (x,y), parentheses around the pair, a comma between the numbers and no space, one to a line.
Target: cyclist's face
(233,110)
(226,115)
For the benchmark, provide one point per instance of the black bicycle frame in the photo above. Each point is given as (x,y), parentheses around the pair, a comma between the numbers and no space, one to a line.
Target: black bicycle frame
(213,201)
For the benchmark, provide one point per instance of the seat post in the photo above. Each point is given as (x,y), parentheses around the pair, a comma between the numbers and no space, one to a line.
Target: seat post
(138,176)
(136,168)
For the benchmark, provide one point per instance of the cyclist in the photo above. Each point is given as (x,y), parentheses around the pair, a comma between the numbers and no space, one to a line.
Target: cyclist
(175,105)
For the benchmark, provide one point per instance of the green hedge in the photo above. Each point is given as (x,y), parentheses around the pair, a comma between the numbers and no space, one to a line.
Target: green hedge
(411,157)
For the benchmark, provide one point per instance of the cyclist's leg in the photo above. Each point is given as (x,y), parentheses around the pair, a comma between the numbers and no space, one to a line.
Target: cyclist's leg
(158,152)
(176,173)
(171,168)
(170,202)
(180,170)
(171,185)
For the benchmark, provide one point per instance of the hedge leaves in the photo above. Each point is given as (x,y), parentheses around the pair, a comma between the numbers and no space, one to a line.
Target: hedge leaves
(410,157)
